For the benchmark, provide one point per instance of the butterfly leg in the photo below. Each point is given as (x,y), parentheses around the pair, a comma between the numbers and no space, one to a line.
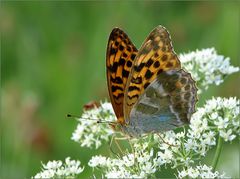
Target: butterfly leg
(115,140)
(133,150)
(123,138)
(165,141)
(110,144)
(130,144)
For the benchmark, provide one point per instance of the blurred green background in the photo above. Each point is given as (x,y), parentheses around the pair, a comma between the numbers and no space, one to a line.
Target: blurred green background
(53,62)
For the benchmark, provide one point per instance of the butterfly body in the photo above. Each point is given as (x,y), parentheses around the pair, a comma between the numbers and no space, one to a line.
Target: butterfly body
(149,91)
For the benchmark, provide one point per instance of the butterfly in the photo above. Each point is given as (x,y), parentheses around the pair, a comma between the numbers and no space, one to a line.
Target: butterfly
(148,89)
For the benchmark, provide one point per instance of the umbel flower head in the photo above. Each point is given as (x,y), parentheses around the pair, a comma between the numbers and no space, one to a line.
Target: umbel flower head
(216,122)
(88,132)
(207,67)
(58,169)
(200,171)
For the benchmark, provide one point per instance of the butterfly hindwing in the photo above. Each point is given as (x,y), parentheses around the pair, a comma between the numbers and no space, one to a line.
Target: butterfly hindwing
(167,103)
(120,55)
(155,56)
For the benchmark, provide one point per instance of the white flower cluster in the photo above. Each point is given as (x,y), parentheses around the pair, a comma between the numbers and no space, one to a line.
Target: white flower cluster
(89,133)
(224,116)
(207,67)
(58,169)
(180,149)
(200,171)
(139,164)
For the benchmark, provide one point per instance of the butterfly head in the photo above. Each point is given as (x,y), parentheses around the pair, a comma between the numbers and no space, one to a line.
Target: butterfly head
(118,125)
(122,127)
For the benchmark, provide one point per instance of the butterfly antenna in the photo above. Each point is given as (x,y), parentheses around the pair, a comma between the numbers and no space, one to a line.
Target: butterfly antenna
(72,116)
(79,117)
(100,121)
(107,122)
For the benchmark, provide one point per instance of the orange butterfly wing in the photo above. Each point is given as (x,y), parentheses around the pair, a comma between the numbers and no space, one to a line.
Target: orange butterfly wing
(120,56)
(155,56)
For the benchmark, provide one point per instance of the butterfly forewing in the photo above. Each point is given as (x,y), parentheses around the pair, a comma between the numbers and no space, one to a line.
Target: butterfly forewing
(155,56)
(119,60)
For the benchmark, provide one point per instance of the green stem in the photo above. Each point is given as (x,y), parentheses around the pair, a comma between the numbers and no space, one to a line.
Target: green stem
(217,153)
